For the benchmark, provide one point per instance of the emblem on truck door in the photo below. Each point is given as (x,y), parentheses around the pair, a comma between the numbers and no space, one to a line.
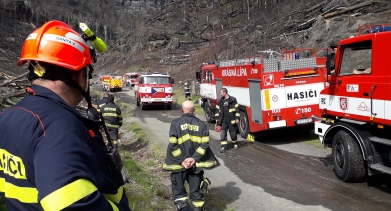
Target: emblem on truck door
(343,103)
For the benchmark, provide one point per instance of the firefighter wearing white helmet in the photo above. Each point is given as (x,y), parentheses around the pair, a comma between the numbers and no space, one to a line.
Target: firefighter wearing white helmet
(187,91)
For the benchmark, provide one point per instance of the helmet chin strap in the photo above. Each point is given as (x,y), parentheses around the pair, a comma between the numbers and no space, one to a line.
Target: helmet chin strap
(72,83)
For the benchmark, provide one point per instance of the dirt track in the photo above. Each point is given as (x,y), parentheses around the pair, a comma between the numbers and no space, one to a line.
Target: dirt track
(262,176)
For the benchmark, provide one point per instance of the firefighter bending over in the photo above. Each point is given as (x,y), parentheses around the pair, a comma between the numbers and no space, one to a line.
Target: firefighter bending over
(188,153)
(57,157)
(227,118)
(113,118)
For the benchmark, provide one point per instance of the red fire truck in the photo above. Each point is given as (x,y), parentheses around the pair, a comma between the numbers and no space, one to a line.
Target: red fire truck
(130,79)
(355,107)
(154,89)
(273,90)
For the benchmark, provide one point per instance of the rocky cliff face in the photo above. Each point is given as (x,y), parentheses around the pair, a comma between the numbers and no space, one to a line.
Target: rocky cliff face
(178,35)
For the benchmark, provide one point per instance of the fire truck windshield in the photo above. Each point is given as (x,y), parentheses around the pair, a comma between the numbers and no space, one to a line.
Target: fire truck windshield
(356,58)
(156,80)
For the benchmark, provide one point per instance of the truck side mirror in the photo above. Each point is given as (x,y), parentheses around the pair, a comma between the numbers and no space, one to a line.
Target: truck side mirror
(172,81)
(330,64)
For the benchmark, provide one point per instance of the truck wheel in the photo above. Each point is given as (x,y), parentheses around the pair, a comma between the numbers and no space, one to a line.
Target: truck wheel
(143,107)
(347,159)
(208,113)
(244,129)
(168,107)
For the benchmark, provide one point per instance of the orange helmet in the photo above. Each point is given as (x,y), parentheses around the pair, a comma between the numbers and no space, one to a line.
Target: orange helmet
(56,43)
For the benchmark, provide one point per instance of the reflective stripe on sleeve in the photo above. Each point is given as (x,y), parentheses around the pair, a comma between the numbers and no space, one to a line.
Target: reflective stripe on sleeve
(236,105)
(201,151)
(177,152)
(67,195)
(173,140)
(115,197)
(23,194)
(237,114)
(218,107)
(233,122)
(172,167)
(205,139)
(206,164)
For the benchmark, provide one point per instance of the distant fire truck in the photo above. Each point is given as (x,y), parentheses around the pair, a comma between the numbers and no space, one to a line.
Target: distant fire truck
(273,90)
(130,79)
(355,107)
(111,83)
(154,89)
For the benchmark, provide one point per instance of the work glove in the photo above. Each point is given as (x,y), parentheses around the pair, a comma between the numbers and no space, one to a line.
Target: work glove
(217,128)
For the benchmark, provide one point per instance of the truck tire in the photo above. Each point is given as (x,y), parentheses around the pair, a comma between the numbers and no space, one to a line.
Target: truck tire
(143,107)
(244,129)
(347,159)
(208,113)
(137,101)
(168,106)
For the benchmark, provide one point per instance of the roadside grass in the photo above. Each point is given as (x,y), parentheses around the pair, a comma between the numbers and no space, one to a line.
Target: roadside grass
(313,140)
(179,98)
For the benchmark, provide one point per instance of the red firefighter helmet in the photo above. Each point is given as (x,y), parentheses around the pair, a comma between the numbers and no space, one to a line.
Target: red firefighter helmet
(56,43)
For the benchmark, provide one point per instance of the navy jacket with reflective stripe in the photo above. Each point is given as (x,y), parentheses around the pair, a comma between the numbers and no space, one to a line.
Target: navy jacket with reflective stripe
(46,147)
(186,135)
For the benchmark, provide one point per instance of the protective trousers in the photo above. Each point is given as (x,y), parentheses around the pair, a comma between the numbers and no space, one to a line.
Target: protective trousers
(233,132)
(113,132)
(179,191)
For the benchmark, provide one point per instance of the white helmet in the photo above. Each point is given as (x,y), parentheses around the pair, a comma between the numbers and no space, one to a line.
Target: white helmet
(185,83)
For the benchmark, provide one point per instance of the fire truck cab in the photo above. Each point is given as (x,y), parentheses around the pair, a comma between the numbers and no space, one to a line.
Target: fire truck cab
(356,118)
(273,90)
(154,89)
(130,79)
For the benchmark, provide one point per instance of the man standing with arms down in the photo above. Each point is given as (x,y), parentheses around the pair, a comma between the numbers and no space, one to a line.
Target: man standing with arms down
(227,118)
(188,153)
(57,157)
(187,92)
(113,118)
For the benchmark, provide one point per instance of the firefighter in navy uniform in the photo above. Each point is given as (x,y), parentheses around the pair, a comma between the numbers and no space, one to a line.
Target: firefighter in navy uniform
(187,92)
(227,119)
(53,158)
(103,101)
(113,118)
(188,153)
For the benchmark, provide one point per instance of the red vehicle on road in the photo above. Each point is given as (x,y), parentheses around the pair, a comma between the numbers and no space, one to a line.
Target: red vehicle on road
(130,79)
(355,107)
(273,90)
(154,89)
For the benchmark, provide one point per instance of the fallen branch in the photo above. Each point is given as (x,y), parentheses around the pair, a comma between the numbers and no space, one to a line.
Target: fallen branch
(330,15)
(11,80)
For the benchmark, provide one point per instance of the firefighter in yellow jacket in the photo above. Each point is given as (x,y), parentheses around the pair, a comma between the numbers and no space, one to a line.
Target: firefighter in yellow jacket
(188,153)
